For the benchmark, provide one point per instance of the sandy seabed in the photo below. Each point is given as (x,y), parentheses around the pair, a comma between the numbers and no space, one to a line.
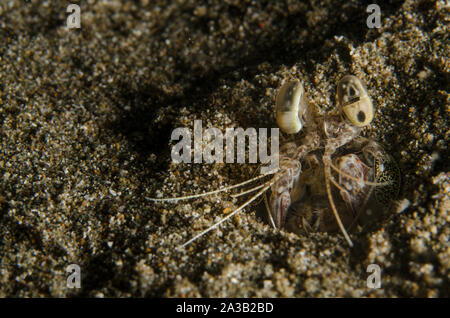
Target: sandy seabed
(86,117)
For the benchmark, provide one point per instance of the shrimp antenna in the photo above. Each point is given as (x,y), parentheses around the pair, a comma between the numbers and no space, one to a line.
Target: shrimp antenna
(268,212)
(327,162)
(267,185)
(205,193)
(236,195)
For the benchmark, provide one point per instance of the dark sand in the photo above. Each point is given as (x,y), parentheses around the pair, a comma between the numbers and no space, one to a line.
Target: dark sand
(86,117)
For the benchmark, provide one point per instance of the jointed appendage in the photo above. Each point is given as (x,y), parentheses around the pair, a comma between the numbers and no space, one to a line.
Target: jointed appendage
(334,132)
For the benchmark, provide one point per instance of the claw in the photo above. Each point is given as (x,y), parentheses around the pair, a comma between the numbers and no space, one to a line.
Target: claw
(279,205)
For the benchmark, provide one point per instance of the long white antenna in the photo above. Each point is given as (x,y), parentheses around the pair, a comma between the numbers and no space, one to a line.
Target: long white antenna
(268,184)
(193,196)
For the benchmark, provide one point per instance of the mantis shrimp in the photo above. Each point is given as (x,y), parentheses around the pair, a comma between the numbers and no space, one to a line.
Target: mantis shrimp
(329,168)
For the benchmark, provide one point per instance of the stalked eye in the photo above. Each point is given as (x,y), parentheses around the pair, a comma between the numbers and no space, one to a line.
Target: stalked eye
(354,101)
(291,104)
